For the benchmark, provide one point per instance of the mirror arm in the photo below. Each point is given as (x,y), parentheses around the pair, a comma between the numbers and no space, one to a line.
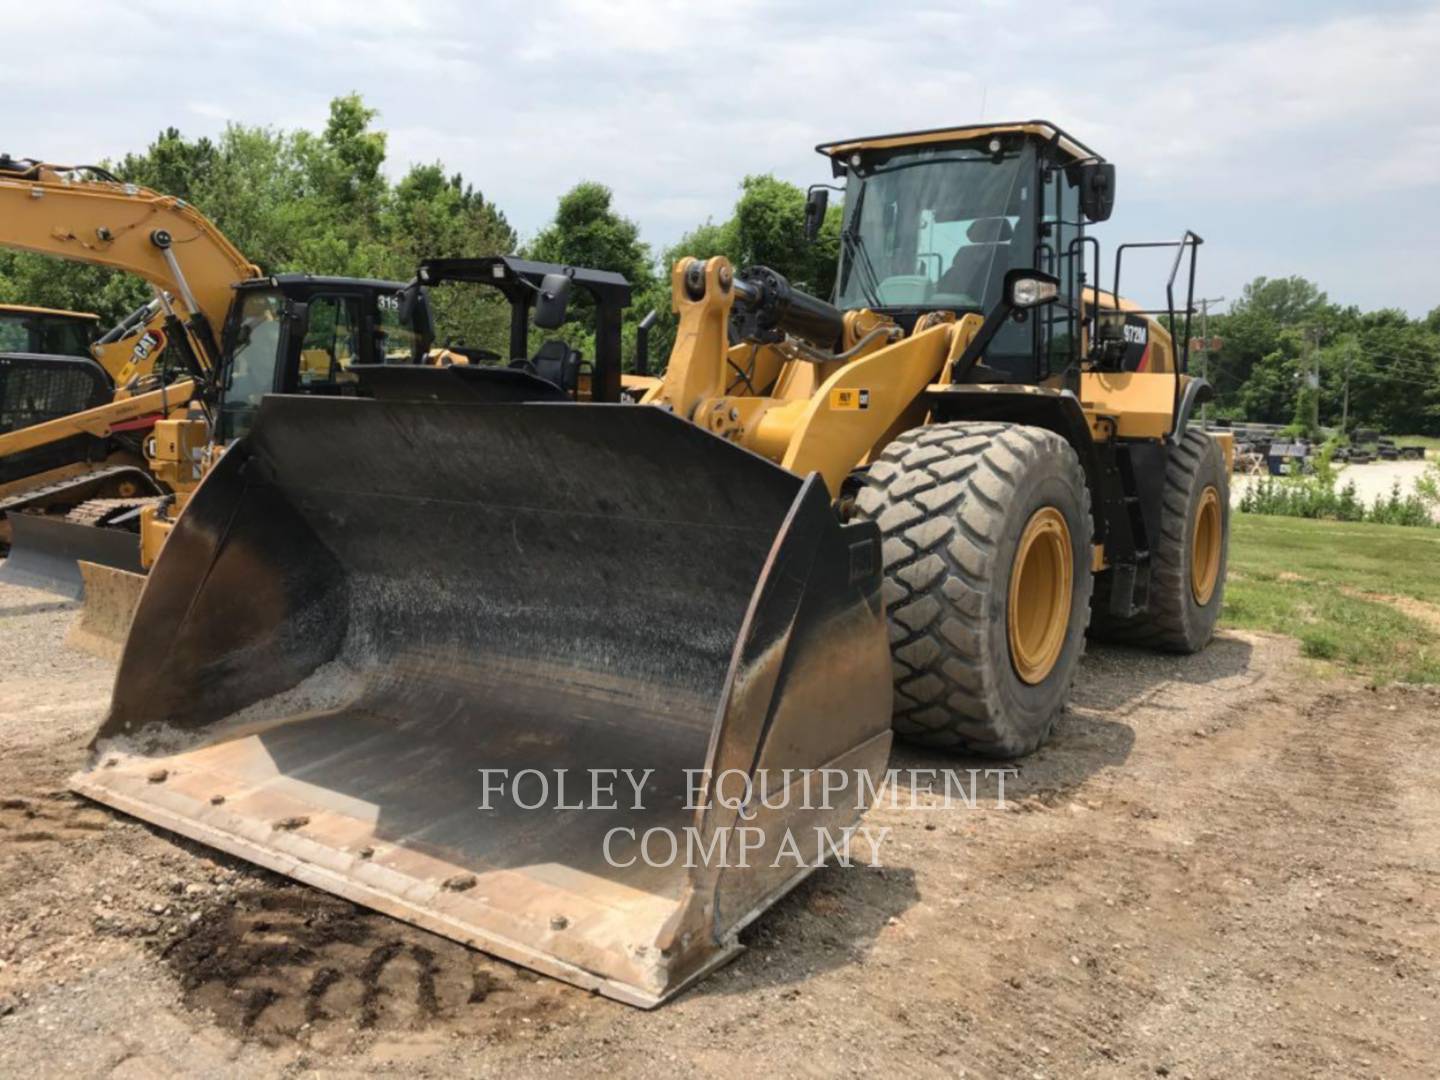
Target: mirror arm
(642,342)
(981,341)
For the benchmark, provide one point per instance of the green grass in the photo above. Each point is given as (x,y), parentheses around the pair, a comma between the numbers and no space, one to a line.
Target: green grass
(1430,442)
(1299,577)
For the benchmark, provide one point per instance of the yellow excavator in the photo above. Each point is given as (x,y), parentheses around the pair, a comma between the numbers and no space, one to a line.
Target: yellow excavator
(898,509)
(95,450)
(113,410)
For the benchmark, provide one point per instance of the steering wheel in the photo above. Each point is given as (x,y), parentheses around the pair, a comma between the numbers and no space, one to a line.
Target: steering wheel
(474,355)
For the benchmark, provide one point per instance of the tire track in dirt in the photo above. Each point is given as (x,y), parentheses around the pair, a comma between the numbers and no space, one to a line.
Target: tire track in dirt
(275,961)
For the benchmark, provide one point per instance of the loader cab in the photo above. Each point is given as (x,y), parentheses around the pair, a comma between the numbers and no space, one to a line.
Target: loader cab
(302,334)
(935,220)
(25,329)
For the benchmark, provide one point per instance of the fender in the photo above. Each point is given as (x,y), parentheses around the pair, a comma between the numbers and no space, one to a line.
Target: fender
(1197,392)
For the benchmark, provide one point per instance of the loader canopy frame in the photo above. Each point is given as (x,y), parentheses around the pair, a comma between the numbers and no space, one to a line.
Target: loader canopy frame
(520,281)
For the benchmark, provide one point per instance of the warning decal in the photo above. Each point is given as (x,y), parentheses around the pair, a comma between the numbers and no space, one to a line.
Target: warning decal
(849,398)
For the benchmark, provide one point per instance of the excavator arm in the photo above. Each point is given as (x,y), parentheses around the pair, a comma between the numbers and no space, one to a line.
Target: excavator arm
(85,214)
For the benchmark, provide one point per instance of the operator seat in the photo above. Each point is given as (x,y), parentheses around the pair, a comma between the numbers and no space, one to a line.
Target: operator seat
(971,271)
(554,362)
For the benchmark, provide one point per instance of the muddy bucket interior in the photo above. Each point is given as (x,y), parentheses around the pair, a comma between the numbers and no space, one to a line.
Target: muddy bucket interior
(375,616)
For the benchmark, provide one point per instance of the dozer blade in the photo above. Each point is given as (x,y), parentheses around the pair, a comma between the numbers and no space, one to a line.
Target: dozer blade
(45,551)
(367,603)
(111,597)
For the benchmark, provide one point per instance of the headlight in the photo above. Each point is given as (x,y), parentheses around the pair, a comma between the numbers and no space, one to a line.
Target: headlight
(1027,292)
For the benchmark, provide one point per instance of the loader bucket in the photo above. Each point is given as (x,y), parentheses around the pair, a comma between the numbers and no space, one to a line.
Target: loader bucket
(367,603)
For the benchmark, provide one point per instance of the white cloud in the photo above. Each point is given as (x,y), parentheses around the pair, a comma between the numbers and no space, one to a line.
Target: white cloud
(1259,125)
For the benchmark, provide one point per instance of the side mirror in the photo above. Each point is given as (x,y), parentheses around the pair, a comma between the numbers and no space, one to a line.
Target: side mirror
(817,201)
(1096,181)
(1030,288)
(408,298)
(551,301)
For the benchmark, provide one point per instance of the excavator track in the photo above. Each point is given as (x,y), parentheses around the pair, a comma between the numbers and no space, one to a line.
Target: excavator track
(103,512)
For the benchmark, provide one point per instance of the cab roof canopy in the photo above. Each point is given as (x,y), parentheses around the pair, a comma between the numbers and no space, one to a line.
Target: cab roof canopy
(1068,145)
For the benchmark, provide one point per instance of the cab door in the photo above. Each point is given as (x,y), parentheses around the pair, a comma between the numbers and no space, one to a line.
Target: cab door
(1060,251)
(330,344)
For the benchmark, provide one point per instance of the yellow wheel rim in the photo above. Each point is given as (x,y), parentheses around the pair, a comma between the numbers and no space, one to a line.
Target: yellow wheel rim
(1205,544)
(1041,581)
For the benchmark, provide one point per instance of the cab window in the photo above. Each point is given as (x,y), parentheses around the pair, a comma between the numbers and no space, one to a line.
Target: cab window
(254,359)
(56,335)
(397,343)
(331,343)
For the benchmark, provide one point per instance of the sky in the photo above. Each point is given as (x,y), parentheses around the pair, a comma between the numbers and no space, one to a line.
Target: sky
(1294,137)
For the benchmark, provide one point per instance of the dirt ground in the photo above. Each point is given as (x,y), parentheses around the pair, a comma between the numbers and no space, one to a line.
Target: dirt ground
(1222,866)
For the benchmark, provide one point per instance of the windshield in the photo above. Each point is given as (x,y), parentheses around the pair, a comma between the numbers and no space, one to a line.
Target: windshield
(253,360)
(936,227)
(58,335)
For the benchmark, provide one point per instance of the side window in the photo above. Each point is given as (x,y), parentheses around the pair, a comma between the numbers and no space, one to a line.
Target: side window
(64,337)
(397,341)
(332,341)
(14,337)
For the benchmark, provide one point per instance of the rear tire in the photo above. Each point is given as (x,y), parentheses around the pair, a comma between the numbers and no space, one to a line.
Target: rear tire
(957,503)
(1182,614)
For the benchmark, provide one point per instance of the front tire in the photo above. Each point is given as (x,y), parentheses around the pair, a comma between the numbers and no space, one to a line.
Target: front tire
(987,547)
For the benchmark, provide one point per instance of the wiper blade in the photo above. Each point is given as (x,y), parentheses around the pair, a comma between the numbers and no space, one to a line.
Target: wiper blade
(869,279)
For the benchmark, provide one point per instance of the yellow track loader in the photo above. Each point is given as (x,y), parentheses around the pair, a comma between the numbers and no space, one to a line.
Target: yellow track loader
(821,521)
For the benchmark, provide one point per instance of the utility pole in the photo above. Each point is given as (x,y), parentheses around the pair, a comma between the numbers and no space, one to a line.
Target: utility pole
(1313,382)
(1345,398)
(1205,346)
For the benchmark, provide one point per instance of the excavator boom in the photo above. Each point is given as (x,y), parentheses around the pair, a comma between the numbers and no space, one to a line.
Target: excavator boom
(86,215)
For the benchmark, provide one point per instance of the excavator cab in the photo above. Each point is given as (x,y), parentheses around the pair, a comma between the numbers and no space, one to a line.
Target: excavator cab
(287,333)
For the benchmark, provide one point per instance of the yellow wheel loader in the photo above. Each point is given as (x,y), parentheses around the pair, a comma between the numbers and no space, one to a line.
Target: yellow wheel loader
(374,669)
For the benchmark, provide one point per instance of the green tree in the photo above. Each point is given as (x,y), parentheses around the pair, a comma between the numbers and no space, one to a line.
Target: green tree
(1286,301)
(767,228)
(172,164)
(589,231)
